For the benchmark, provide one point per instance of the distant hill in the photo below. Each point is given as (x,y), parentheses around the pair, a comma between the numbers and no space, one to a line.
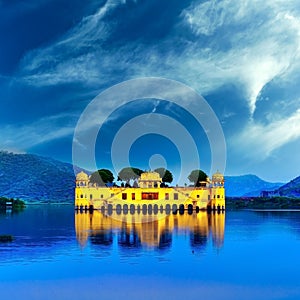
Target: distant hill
(35,178)
(291,189)
(248,186)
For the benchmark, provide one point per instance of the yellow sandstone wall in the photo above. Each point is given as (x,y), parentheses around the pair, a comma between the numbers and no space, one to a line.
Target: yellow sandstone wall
(102,196)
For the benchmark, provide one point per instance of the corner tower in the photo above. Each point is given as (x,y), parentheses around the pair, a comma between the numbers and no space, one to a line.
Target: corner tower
(217,192)
(82,183)
(82,179)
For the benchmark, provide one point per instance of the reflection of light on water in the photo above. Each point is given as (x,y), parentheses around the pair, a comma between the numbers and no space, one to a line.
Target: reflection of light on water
(152,231)
(45,261)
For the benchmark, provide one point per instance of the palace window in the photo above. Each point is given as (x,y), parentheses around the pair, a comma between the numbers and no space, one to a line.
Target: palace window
(166,196)
(198,196)
(133,196)
(175,196)
(124,196)
(218,196)
(91,196)
(149,196)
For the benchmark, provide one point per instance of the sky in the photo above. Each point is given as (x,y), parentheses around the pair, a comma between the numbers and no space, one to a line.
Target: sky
(242,57)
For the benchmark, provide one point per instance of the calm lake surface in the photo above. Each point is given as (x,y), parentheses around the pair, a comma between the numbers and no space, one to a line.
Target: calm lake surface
(60,254)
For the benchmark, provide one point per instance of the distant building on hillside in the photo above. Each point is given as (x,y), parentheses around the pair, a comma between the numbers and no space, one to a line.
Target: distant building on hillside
(269,194)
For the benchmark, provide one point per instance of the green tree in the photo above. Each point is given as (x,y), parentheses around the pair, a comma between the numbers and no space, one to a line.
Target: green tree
(165,174)
(17,204)
(128,173)
(101,177)
(196,176)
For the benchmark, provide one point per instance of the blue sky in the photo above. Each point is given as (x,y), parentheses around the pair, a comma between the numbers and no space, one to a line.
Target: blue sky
(241,56)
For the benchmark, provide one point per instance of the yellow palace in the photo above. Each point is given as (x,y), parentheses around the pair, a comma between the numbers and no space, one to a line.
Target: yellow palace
(149,196)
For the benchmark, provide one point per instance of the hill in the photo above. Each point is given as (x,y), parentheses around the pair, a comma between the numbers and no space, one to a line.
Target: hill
(248,186)
(34,178)
(291,189)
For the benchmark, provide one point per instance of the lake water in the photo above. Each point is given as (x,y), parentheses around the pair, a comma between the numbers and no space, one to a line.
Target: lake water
(60,254)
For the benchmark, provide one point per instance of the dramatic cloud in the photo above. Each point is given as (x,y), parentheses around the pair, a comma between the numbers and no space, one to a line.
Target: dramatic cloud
(20,138)
(264,139)
(245,43)
(260,39)
(74,57)
(242,55)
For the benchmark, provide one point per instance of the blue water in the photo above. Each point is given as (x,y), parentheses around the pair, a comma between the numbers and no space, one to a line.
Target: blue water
(58,254)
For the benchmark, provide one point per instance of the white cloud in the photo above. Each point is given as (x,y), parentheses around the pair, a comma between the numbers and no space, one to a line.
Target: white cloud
(259,141)
(204,18)
(263,39)
(79,69)
(245,43)
(74,57)
(249,43)
(20,138)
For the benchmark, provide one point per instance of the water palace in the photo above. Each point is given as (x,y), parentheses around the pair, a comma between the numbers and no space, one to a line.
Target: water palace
(149,195)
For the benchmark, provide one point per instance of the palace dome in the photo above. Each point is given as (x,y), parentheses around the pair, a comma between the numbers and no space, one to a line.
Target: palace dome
(218,177)
(150,176)
(82,176)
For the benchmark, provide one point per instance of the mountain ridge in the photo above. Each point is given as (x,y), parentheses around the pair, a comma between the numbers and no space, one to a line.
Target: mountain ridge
(35,178)
(290,189)
(248,185)
(31,177)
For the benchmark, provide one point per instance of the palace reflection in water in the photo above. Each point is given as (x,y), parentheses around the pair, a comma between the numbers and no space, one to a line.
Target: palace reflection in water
(149,231)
